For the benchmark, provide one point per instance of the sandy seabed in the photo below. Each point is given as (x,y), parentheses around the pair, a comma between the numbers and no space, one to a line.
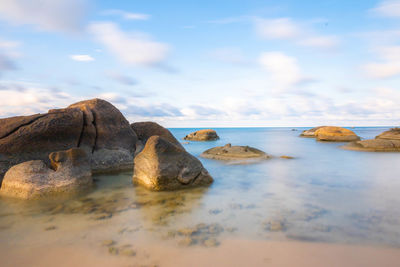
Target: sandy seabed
(234,252)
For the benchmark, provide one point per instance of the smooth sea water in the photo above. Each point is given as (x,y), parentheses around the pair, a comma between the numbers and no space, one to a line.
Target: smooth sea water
(324,194)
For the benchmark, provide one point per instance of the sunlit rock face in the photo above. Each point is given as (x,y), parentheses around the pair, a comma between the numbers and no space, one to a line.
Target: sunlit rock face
(202,135)
(145,130)
(94,125)
(392,134)
(70,173)
(335,134)
(310,132)
(163,165)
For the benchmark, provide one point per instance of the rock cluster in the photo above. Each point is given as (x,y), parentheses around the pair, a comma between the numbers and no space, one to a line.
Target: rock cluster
(70,173)
(388,141)
(202,135)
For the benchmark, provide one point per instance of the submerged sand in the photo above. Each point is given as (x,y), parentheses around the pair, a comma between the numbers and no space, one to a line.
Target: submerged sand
(234,252)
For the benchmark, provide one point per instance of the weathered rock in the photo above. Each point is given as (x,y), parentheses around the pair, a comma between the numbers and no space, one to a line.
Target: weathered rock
(229,152)
(335,134)
(107,135)
(392,134)
(310,132)
(202,135)
(93,125)
(375,145)
(145,130)
(165,166)
(34,179)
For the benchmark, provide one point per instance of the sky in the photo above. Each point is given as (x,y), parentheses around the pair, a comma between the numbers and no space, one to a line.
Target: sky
(223,63)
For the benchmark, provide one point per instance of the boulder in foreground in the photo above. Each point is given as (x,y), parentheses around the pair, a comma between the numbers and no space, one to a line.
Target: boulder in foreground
(70,173)
(163,165)
(335,134)
(202,135)
(229,152)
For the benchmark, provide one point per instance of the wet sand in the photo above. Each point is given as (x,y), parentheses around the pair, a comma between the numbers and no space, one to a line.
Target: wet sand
(234,252)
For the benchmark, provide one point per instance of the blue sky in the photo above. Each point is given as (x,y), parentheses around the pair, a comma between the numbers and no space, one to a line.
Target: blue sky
(205,63)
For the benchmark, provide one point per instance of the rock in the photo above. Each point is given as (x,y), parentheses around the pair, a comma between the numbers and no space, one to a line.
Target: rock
(50,228)
(107,135)
(202,135)
(113,250)
(229,152)
(185,242)
(108,242)
(94,125)
(392,134)
(145,130)
(210,242)
(286,157)
(34,179)
(310,132)
(165,166)
(374,145)
(335,134)
(128,252)
(275,226)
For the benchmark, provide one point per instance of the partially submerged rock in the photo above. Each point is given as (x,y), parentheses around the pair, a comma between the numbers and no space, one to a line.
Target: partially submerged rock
(310,132)
(375,145)
(202,135)
(145,130)
(93,125)
(163,165)
(229,152)
(335,134)
(34,179)
(392,134)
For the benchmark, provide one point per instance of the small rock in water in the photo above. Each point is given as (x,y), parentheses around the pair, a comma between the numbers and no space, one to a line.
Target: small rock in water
(215,211)
(108,242)
(113,250)
(103,216)
(286,157)
(128,252)
(210,242)
(50,228)
(185,242)
(187,231)
(275,226)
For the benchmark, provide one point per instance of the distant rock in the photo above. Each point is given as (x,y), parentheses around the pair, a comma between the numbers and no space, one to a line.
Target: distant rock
(229,152)
(310,132)
(335,134)
(70,173)
(202,135)
(392,134)
(375,145)
(163,165)
(388,141)
(145,130)
(93,125)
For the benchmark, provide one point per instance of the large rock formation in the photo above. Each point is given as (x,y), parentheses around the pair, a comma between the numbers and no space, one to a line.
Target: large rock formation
(310,132)
(388,141)
(93,125)
(163,165)
(392,134)
(202,135)
(335,134)
(70,173)
(145,130)
(229,152)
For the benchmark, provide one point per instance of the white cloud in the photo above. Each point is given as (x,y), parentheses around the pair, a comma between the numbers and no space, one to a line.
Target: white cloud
(390,8)
(5,44)
(282,28)
(283,69)
(48,15)
(132,48)
(389,64)
(298,32)
(230,55)
(83,58)
(127,15)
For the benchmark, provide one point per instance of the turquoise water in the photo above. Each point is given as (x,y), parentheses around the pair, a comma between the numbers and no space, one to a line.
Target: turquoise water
(325,194)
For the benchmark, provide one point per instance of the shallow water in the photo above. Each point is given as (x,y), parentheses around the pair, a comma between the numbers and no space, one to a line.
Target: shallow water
(325,194)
